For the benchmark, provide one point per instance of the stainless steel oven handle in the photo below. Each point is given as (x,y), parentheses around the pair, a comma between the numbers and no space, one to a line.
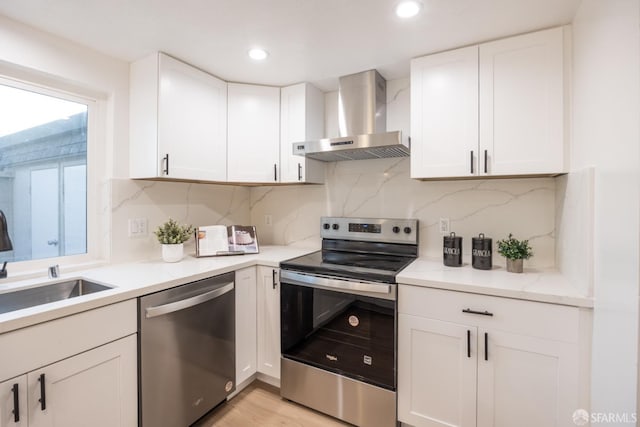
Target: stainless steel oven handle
(376,288)
(189,302)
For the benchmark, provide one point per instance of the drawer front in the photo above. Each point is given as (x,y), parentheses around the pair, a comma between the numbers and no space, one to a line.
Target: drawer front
(550,321)
(39,345)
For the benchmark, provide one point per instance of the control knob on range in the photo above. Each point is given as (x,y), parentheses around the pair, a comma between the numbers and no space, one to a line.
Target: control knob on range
(407,230)
(335,226)
(326,226)
(396,229)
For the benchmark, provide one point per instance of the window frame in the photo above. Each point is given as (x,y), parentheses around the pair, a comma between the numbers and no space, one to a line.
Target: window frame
(97,214)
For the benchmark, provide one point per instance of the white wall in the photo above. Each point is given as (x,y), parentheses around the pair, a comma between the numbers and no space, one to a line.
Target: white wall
(606,136)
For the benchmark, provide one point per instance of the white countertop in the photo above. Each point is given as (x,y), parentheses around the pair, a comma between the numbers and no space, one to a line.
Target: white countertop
(135,279)
(534,285)
(132,280)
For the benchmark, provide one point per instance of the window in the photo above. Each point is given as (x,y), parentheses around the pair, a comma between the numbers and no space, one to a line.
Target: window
(43,172)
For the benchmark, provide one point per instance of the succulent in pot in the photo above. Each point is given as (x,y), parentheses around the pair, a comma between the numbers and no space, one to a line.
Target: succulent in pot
(515,251)
(172,237)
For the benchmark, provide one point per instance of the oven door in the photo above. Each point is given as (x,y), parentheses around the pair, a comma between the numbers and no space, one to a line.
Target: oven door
(344,327)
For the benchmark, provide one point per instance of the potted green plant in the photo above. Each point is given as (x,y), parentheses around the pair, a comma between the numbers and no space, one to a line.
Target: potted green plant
(515,251)
(172,237)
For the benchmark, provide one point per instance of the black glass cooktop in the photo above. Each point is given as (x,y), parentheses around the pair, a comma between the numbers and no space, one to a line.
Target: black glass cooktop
(350,265)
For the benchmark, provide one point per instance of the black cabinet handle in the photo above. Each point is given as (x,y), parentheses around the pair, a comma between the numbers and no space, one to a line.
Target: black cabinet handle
(273,278)
(486,348)
(468,343)
(16,404)
(299,172)
(43,396)
(165,160)
(485,161)
(482,313)
(471,162)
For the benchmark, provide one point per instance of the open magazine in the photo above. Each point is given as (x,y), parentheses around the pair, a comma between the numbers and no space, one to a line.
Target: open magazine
(217,240)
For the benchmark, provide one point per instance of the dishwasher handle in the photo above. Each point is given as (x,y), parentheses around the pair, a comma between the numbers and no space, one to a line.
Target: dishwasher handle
(160,310)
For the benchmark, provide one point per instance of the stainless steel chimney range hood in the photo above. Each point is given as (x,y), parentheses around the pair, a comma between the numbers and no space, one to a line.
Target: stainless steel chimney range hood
(362,110)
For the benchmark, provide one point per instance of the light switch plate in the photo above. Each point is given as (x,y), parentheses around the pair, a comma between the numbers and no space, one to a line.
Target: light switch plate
(138,227)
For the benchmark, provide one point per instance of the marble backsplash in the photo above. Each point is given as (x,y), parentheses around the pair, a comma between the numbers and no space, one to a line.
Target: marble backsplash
(383,188)
(370,188)
(157,201)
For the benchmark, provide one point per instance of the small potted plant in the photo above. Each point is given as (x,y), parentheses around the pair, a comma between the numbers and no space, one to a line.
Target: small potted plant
(515,251)
(172,237)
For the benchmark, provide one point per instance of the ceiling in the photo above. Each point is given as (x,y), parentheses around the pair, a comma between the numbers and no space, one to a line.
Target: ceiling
(308,40)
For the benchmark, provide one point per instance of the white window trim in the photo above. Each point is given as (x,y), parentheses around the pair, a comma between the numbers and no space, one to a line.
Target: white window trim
(98,190)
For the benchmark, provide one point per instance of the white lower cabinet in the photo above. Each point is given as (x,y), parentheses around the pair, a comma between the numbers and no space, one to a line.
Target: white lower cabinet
(471,360)
(13,402)
(526,381)
(246,324)
(269,321)
(436,377)
(96,388)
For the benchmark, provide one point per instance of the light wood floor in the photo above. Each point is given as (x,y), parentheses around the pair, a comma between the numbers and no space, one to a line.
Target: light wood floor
(260,404)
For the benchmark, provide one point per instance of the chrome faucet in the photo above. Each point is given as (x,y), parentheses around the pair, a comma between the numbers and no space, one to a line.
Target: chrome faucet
(54,271)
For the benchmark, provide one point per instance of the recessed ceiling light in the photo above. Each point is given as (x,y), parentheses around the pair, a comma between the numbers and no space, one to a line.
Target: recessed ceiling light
(258,54)
(408,8)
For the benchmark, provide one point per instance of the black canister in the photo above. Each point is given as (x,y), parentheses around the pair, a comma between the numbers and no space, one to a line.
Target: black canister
(452,250)
(481,252)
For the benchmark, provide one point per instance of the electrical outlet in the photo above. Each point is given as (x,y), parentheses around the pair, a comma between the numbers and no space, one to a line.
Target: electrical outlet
(444,226)
(268,220)
(138,227)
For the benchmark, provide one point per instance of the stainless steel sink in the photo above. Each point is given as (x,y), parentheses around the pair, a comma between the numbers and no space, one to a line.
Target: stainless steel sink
(31,297)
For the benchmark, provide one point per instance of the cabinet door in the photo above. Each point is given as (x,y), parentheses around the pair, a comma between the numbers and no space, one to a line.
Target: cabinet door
(192,122)
(521,104)
(13,402)
(444,114)
(269,321)
(246,324)
(97,388)
(254,133)
(301,119)
(437,366)
(525,381)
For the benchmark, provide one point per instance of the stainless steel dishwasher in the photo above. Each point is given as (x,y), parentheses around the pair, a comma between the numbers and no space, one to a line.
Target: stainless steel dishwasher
(186,351)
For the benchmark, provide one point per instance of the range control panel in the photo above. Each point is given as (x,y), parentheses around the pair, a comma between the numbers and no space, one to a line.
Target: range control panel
(388,230)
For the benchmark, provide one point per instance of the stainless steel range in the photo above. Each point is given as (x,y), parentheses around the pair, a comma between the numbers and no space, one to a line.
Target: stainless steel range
(339,319)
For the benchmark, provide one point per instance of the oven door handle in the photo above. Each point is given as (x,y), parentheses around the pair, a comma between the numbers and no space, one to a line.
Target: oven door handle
(188,302)
(337,284)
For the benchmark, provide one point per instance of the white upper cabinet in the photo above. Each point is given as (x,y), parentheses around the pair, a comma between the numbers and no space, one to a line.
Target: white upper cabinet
(253,133)
(497,109)
(178,121)
(444,113)
(522,104)
(301,119)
